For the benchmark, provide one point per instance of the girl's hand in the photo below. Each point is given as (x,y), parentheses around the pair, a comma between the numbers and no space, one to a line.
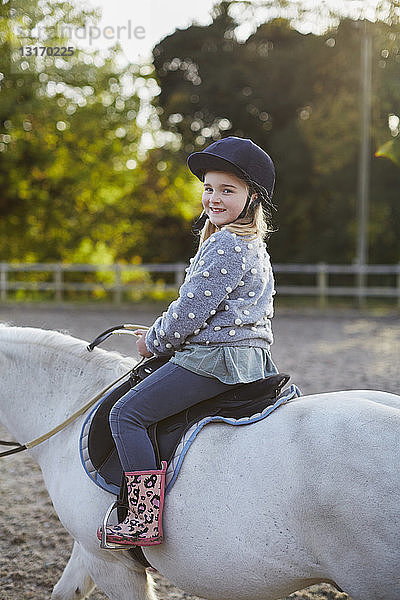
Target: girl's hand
(140,343)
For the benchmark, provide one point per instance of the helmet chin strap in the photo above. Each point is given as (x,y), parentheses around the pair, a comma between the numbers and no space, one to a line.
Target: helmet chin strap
(201,221)
(246,207)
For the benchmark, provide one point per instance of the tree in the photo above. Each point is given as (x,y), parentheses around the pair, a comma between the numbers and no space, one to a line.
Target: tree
(298,96)
(68,141)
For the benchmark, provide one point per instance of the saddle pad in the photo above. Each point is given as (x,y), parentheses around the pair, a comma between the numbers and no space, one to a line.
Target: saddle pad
(188,438)
(111,464)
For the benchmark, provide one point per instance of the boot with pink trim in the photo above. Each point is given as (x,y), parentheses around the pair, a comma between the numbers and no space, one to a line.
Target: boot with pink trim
(143,524)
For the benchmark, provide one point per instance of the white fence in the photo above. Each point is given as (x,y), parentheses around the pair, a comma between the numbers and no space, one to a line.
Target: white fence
(58,278)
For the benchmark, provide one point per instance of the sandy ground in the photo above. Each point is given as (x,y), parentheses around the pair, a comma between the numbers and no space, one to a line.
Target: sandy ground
(322,352)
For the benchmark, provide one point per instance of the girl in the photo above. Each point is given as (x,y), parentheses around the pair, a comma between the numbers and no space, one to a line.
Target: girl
(217,332)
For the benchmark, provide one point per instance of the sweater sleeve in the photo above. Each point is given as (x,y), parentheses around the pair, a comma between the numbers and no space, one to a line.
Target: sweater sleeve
(217,271)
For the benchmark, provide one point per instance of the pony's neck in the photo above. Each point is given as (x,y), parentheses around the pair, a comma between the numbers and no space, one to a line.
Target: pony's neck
(49,376)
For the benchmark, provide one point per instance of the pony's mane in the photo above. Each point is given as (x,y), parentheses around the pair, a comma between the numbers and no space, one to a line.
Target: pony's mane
(55,340)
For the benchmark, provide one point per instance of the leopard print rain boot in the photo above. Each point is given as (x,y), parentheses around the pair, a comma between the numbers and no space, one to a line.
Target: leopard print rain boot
(143,524)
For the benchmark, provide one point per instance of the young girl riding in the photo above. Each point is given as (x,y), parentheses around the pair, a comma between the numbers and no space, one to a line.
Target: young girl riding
(217,332)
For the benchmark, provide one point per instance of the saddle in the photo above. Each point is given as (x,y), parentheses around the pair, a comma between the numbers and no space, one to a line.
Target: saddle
(243,400)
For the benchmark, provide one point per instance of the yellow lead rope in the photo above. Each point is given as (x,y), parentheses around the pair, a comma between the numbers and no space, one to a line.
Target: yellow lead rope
(73,417)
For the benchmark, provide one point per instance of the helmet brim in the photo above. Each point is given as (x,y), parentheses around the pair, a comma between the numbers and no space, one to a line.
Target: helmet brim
(201,162)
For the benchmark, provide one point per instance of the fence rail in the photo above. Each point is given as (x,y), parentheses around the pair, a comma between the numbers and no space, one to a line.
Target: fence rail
(117,279)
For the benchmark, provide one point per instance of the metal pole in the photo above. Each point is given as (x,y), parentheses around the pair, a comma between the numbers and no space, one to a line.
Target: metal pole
(322,283)
(365,157)
(58,282)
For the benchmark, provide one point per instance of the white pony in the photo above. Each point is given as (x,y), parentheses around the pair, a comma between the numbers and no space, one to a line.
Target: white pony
(308,495)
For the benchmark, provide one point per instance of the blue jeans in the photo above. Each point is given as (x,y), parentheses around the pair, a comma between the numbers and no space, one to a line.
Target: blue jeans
(165,392)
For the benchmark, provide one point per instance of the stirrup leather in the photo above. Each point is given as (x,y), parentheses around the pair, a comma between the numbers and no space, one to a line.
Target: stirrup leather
(103,543)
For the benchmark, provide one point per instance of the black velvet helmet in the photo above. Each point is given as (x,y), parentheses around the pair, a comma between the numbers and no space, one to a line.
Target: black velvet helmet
(243,158)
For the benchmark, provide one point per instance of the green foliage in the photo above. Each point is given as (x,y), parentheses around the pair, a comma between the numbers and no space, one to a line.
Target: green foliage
(67,132)
(298,96)
(76,184)
(166,200)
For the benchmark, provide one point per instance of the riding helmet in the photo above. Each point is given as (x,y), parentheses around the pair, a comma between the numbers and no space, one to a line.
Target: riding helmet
(245,159)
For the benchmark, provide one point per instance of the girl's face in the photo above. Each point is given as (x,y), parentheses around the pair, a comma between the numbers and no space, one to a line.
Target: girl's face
(224,197)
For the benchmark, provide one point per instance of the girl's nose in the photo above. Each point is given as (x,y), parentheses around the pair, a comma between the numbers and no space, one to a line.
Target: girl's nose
(215,196)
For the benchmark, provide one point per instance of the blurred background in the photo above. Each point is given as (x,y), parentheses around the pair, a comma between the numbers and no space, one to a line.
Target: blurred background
(100,105)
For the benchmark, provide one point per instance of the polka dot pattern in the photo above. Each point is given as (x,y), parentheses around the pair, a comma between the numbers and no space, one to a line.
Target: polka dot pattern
(225,268)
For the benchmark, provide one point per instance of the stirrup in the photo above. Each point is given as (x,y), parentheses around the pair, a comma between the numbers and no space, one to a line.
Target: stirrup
(109,545)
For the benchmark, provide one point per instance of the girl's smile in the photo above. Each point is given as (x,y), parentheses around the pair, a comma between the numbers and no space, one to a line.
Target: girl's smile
(224,197)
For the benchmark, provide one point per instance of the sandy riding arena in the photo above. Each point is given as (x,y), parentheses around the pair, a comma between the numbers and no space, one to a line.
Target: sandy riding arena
(321,351)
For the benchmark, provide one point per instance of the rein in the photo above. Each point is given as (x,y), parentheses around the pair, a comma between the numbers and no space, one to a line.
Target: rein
(128,328)
(19,448)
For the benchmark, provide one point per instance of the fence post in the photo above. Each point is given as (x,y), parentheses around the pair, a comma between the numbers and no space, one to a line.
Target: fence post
(3,281)
(361,284)
(58,282)
(322,284)
(117,284)
(179,274)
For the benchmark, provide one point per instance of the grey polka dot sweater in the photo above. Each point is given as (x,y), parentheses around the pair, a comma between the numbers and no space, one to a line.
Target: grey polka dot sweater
(226,298)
